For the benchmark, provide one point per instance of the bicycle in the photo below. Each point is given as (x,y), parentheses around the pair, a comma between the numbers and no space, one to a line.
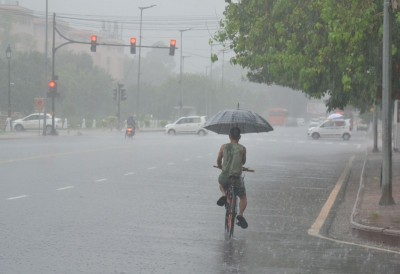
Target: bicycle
(231,204)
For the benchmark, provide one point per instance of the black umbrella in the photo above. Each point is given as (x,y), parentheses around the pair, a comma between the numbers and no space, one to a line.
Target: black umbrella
(247,121)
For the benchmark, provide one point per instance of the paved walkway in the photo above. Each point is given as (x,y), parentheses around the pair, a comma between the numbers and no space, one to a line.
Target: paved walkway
(370,220)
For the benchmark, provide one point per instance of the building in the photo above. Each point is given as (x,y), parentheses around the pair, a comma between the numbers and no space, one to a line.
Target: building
(28,28)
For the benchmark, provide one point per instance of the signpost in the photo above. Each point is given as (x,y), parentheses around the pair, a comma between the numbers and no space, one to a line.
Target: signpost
(39,107)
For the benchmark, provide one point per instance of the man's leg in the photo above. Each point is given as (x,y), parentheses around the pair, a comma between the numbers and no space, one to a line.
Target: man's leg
(222,200)
(242,205)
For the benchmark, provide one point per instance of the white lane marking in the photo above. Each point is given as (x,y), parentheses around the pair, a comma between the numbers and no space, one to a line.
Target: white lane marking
(171,164)
(186,160)
(129,173)
(200,156)
(101,180)
(64,188)
(17,197)
(150,168)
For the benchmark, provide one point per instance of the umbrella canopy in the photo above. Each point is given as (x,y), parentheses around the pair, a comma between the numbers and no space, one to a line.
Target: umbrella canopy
(247,121)
(335,116)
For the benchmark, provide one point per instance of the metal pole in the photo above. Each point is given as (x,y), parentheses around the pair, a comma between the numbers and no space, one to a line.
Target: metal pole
(140,56)
(53,58)
(46,64)
(375,127)
(8,52)
(386,198)
(180,75)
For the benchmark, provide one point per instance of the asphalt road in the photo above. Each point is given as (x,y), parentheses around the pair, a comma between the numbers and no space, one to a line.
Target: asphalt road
(98,203)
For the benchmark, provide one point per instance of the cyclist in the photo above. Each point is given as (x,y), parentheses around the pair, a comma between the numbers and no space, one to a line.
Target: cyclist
(231,158)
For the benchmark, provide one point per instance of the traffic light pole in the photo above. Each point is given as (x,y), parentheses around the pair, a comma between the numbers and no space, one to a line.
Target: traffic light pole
(119,105)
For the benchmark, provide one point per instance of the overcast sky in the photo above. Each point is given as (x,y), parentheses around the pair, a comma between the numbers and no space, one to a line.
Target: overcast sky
(200,15)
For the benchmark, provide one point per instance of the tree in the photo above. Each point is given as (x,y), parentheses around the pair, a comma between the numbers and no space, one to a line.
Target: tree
(319,47)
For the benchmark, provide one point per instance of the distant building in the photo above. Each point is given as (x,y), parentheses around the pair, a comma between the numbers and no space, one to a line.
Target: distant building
(29,29)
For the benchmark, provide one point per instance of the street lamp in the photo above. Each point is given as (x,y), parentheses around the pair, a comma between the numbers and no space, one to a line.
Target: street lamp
(180,75)
(140,54)
(8,55)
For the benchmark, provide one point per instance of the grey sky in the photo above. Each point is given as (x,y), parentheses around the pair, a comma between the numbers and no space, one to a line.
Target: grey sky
(191,13)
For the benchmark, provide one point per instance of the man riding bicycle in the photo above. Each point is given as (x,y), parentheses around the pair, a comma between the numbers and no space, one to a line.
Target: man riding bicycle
(231,158)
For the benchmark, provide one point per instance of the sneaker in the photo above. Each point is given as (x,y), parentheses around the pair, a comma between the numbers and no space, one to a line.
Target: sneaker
(221,201)
(242,222)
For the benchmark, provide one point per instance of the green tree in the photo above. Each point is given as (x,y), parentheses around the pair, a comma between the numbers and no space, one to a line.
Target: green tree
(317,46)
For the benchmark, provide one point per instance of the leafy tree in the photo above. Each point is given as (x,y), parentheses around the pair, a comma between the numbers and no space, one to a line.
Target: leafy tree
(317,46)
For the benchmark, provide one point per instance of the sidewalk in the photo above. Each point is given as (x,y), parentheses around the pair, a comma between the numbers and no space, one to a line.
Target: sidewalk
(369,220)
(357,216)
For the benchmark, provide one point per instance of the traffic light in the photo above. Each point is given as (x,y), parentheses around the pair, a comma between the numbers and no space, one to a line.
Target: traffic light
(52,88)
(133,45)
(172,45)
(93,43)
(115,94)
(123,94)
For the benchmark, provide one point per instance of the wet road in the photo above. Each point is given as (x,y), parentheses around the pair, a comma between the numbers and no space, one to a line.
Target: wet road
(102,204)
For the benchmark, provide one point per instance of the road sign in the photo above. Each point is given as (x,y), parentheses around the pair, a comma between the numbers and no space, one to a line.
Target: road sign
(39,104)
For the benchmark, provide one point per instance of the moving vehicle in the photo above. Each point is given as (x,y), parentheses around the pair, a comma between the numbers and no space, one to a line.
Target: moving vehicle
(35,121)
(129,132)
(277,116)
(189,124)
(336,128)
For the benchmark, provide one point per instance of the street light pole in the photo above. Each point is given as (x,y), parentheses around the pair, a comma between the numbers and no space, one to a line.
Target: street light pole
(180,75)
(140,55)
(8,55)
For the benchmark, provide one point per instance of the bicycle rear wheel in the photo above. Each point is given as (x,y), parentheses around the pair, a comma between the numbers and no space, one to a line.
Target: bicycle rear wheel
(230,213)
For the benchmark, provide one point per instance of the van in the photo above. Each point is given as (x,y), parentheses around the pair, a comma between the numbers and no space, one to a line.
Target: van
(335,128)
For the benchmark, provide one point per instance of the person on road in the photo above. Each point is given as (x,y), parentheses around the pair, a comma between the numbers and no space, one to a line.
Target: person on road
(231,158)
(130,122)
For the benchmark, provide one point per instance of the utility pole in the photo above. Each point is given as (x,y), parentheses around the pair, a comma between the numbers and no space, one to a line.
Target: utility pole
(180,76)
(140,56)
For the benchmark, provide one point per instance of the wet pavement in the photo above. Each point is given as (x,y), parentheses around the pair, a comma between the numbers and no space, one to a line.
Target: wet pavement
(361,217)
(147,205)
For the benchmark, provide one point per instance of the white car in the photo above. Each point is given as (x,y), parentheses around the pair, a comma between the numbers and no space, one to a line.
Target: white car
(335,128)
(35,121)
(189,124)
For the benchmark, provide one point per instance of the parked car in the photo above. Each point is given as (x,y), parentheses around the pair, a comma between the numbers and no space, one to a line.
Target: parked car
(35,121)
(314,122)
(300,121)
(361,125)
(336,128)
(189,124)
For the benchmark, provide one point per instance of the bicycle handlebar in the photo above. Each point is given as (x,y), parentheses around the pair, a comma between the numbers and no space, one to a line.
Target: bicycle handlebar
(243,169)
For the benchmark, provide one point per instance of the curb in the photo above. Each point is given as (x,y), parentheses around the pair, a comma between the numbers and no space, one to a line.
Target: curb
(381,235)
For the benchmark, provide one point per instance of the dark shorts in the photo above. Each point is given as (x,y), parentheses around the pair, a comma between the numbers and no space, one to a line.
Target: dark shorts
(238,184)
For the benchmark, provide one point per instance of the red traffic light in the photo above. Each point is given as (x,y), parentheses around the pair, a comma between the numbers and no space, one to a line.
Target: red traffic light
(52,84)
(52,88)
(172,45)
(93,43)
(133,45)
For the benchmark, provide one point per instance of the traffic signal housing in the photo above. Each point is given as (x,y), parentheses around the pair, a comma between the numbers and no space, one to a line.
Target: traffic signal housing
(52,88)
(123,94)
(172,45)
(133,45)
(93,43)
